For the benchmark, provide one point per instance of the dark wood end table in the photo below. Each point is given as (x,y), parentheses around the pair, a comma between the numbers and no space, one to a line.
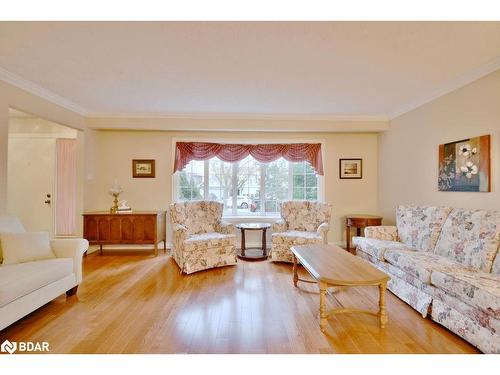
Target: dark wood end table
(359,222)
(253,253)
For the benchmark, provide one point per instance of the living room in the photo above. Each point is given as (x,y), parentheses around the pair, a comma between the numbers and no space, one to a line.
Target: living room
(210,187)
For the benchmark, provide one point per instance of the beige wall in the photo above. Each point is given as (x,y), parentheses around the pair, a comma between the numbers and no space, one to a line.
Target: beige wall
(408,152)
(113,152)
(11,96)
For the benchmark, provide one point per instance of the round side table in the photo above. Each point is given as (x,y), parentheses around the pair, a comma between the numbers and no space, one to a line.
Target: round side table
(253,253)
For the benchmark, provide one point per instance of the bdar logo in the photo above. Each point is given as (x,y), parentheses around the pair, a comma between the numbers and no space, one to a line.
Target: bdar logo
(8,347)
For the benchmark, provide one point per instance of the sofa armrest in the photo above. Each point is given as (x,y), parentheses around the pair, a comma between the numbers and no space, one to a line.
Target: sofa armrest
(225,227)
(382,232)
(71,248)
(323,230)
(279,226)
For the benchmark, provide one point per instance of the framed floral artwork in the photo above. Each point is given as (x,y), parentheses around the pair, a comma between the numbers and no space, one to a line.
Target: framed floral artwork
(465,165)
(350,168)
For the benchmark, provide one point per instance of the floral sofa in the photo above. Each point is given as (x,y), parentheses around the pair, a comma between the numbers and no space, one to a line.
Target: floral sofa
(444,262)
(301,223)
(201,239)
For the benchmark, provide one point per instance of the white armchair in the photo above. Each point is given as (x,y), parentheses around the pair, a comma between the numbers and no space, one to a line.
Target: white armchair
(301,223)
(201,239)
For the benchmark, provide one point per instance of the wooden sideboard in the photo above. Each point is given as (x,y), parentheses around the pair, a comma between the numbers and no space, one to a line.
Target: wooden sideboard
(131,228)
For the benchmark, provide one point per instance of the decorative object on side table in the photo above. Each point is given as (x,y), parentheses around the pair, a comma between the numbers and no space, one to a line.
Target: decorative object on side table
(255,253)
(465,165)
(359,222)
(143,168)
(115,191)
(350,168)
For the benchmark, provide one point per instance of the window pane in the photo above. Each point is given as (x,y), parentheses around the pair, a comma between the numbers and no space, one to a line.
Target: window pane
(191,181)
(305,182)
(220,183)
(298,193)
(248,177)
(276,184)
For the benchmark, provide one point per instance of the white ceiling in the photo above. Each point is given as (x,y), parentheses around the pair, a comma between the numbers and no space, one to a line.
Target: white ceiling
(252,68)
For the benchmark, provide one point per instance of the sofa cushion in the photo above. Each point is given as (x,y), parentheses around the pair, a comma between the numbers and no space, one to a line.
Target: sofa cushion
(478,289)
(25,247)
(419,226)
(208,240)
(18,280)
(11,224)
(376,247)
(470,237)
(296,236)
(420,264)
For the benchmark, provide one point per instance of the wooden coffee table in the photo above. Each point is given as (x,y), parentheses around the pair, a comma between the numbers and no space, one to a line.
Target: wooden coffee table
(332,266)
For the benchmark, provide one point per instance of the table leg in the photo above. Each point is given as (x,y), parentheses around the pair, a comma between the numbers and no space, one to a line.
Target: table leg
(264,244)
(295,271)
(243,245)
(100,249)
(156,249)
(348,237)
(382,314)
(322,308)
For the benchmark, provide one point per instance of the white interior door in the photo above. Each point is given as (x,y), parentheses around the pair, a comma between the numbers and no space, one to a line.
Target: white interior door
(31,173)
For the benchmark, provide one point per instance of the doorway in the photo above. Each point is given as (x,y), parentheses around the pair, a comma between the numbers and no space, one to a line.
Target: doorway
(42,174)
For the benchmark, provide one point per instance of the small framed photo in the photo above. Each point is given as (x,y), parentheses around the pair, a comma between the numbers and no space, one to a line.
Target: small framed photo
(350,168)
(143,168)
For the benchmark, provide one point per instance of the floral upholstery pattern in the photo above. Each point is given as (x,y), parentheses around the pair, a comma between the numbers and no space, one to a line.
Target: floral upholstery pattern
(302,223)
(496,264)
(471,237)
(305,215)
(282,243)
(456,273)
(485,339)
(382,232)
(407,287)
(413,296)
(197,216)
(377,247)
(478,289)
(201,239)
(483,319)
(419,226)
(420,264)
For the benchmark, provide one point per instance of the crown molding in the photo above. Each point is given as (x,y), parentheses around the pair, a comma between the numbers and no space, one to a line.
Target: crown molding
(237,116)
(37,90)
(457,83)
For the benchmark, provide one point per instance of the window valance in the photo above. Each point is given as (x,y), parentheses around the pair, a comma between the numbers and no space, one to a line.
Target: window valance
(264,153)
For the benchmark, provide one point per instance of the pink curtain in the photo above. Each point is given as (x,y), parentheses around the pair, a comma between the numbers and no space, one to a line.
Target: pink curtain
(65,187)
(265,153)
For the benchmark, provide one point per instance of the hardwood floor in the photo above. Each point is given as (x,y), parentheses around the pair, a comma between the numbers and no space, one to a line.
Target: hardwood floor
(136,303)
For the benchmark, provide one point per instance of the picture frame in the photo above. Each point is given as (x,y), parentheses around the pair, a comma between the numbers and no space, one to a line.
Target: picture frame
(350,169)
(143,168)
(465,165)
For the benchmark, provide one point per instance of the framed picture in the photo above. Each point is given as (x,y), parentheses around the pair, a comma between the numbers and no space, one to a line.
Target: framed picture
(350,168)
(465,165)
(143,168)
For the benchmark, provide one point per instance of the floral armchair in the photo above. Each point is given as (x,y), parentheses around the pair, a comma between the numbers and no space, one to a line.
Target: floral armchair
(301,223)
(201,239)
